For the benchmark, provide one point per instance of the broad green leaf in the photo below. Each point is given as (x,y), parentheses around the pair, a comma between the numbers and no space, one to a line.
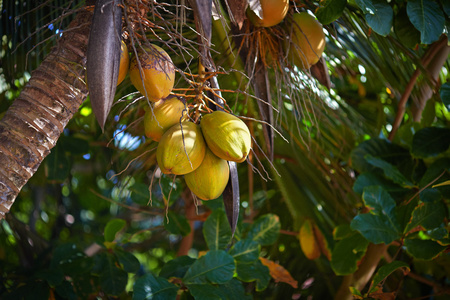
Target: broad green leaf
(390,171)
(254,271)
(177,224)
(234,289)
(440,235)
(154,288)
(406,33)
(430,195)
(66,291)
(245,250)
(128,261)
(376,228)
(176,267)
(381,20)
(404,212)
(436,173)
(430,141)
(366,6)
(428,18)
(427,215)
(231,290)
(342,231)
(423,249)
(71,260)
(445,93)
(380,225)
(346,254)
(54,276)
(370,178)
(205,291)
(140,193)
(112,228)
(265,230)
(330,10)
(380,148)
(216,266)
(356,293)
(113,280)
(385,271)
(216,230)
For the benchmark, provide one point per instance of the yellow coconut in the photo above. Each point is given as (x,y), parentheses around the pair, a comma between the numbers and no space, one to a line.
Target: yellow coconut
(165,114)
(209,180)
(154,77)
(226,135)
(273,12)
(124,62)
(181,149)
(307,41)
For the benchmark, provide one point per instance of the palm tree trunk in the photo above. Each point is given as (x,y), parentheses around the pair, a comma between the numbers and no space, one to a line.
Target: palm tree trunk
(36,119)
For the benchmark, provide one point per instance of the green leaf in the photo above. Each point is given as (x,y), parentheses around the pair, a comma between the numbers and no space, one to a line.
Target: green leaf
(428,215)
(154,288)
(112,228)
(177,224)
(216,266)
(342,231)
(176,267)
(245,250)
(430,141)
(128,261)
(406,33)
(330,10)
(71,260)
(445,93)
(347,253)
(428,18)
(404,212)
(113,280)
(253,271)
(423,249)
(380,148)
(381,20)
(140,193)
(390,171)
(234,289)
(380,225)
(205,291)
(54,276)
(370,178)
(439,235)
(216,230)
(385,271)
(265,230)
(65,290)
(366,6)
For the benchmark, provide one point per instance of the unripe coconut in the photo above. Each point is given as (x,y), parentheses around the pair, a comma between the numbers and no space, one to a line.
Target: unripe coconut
(209,180)
(158,73)
(273,12)
(124,62)
(307,41)
(226,135)
(181,149)
(165,114)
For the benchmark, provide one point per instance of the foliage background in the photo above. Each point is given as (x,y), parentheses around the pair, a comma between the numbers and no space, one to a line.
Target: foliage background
(64,238)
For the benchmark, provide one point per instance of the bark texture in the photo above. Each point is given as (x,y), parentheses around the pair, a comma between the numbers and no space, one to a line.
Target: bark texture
(36,119)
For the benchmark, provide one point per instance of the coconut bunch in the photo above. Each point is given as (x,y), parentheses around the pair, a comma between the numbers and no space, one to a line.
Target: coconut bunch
(198,151)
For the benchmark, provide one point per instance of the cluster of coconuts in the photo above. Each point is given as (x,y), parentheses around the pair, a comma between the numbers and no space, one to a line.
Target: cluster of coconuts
(199,152)
(307,42)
